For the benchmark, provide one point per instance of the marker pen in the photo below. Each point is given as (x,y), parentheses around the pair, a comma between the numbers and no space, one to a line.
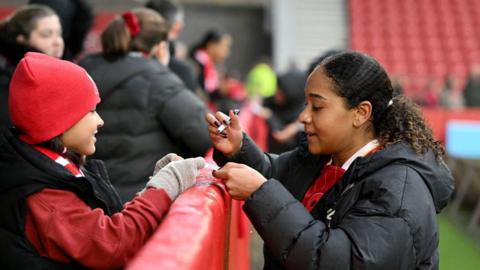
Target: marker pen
(223,126)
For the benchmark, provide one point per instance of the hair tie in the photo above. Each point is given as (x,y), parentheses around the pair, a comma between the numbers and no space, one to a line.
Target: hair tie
(131,20)
(390,103)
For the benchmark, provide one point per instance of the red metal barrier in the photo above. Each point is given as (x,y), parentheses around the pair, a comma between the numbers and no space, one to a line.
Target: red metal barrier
(194,233)
(254,125)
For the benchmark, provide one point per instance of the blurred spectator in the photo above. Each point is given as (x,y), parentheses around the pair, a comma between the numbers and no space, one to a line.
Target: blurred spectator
(471,92)
(30,28)
(181,53)
(286,105)
(231,93)
(446,92)
(261,82)
(148,110)
(76,17)
(172,12)
(450,96)
(431,93)
(212,50)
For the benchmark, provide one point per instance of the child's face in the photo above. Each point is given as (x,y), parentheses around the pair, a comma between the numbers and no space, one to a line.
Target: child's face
(80,138)
(328,123)
(47,36)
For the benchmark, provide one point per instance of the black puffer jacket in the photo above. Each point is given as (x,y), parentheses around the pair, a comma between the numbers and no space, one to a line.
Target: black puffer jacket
(380,215)
(148,113)
(6,71)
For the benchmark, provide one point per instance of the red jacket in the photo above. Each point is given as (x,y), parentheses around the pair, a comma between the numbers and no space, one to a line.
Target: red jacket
(62,227)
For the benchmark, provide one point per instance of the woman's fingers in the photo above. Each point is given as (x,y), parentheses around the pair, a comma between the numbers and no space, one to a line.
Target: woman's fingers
(212,120)
(226,171)
(241,181)
(222,118)
(234,120)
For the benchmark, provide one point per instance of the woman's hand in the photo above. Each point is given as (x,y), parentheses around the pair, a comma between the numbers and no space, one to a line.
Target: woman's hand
(241,181)
(230,141)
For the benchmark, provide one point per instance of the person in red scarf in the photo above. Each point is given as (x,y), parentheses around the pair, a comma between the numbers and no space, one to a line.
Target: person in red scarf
(59,209)
(363,189)
(208,54)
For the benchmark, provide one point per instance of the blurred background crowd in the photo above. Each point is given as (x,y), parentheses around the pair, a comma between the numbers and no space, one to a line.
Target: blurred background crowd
(257,54)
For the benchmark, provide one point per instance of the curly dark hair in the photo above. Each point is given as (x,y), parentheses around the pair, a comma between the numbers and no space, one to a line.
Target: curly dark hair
(358,77)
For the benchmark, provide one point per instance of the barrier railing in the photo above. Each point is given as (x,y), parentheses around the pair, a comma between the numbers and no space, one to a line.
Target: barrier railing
(194,234)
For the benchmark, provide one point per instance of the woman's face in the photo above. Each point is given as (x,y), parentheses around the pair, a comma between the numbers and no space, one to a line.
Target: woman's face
(328,123)
(219,51)
(47,36)
(80,138)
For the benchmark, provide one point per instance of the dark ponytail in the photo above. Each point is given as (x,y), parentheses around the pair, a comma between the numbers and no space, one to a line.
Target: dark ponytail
(358,77)
(116,39)
(212,35)
(403,122)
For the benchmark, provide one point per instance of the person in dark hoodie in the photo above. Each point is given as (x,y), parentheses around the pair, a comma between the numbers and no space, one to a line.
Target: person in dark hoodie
(59,210)
(364,189)
(148,110)
(34,28)
(285,106)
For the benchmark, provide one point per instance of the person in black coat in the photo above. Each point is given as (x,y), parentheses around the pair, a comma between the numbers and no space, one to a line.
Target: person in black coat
(471,91)
(149,112)
(363,190)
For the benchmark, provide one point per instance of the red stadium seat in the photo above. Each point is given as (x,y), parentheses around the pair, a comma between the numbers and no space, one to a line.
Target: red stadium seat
(420,39)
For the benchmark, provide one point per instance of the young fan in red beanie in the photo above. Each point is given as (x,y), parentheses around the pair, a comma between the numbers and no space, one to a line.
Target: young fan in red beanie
(58,210)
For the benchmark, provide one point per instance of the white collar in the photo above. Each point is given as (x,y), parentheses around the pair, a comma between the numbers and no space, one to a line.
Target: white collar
(360,153)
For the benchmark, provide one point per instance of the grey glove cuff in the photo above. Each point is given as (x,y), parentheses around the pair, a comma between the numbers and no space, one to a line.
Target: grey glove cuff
(165,160)
(177,176)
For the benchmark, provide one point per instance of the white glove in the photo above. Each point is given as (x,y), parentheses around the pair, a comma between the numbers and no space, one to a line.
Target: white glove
(177,176)
(165,160)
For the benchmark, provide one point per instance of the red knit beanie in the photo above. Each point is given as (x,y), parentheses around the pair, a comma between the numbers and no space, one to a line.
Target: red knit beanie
(48,96)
